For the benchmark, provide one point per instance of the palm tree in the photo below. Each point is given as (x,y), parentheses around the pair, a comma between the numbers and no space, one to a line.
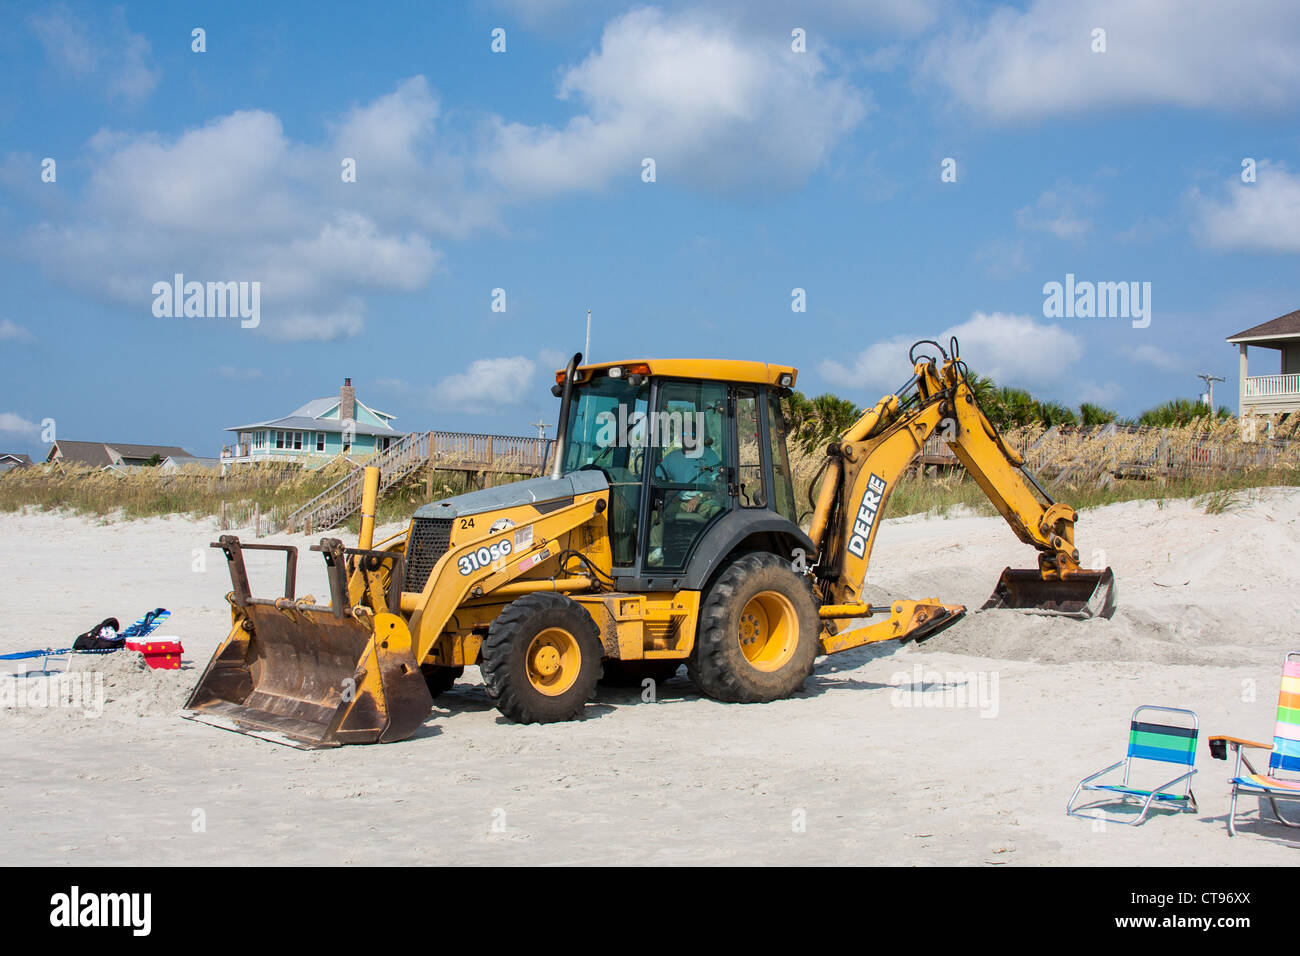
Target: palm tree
(1180,411)
(1054,413)
(1096,415)
(811,423)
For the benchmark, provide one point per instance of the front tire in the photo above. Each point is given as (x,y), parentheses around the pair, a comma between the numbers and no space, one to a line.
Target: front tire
(541,659)
(758,633)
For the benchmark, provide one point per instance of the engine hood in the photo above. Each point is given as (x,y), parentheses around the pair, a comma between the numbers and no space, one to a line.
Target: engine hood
(529,492)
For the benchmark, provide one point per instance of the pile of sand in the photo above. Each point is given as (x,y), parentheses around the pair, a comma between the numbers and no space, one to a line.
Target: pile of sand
(133,688)
(119,686)
(1128,636)
(1193,587)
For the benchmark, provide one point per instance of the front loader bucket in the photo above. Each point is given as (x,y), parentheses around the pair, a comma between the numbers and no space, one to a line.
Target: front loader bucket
(1082,594)
(307,675)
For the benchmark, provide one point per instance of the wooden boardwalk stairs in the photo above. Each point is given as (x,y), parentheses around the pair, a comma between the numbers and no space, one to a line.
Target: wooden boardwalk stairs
(451,451)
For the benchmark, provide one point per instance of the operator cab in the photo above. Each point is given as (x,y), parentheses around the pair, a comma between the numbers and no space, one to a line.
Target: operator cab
(683,444)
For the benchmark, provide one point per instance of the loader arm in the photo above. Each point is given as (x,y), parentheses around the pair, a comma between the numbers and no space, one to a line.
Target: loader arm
(864,468)
(456,579)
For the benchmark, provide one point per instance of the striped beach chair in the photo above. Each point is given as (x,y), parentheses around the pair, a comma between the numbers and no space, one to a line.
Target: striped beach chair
(1150,743)
(1284,756)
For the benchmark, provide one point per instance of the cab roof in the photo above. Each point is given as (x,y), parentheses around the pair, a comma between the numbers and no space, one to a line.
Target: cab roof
(720,370)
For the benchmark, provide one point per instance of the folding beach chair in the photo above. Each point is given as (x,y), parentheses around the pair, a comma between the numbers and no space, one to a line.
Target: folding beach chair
(1159,743)
(1284,756)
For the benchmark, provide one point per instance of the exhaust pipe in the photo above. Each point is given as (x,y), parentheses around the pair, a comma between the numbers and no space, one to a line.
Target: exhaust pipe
(562,431)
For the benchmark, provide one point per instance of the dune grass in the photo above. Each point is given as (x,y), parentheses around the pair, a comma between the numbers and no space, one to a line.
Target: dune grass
(1084,468)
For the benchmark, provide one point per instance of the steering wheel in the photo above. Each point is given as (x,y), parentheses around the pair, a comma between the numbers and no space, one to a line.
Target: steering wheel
(667,479)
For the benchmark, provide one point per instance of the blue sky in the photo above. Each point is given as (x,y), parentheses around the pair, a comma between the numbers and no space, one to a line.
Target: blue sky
(522,170)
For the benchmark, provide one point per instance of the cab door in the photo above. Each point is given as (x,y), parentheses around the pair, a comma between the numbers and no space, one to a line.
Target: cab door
(691,481)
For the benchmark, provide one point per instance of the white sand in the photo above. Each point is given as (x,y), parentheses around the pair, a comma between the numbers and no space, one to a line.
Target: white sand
(1205,616)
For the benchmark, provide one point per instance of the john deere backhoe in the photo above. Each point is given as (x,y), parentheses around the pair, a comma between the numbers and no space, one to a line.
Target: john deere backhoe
(665,533)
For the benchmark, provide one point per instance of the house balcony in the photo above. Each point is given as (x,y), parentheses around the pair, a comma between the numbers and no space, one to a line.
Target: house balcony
(1270,394)
(243,454)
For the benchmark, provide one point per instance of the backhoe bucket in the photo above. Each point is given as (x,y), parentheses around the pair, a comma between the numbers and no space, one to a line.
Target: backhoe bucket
(310,676)
(1082,594)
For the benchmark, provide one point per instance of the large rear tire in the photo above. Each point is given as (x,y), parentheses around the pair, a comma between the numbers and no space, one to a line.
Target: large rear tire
(758,633)
(541,659)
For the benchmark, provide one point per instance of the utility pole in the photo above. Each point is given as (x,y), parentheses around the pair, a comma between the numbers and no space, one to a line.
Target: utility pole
(541,429)
(586,351)
(1209,386)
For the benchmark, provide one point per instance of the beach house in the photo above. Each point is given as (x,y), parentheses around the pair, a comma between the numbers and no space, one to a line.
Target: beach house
(1280,392)
(314,433)
(98,454)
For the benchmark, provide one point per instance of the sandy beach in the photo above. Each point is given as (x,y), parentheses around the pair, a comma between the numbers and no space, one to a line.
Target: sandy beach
(962,751)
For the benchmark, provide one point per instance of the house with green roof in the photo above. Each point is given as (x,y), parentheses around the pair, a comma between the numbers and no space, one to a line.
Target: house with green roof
(315,433)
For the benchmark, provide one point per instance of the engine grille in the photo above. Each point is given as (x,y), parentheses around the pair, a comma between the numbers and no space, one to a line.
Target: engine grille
(429,541)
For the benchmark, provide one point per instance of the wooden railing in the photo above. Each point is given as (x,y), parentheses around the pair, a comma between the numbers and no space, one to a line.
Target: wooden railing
(452,450)
(1273,386)
(455,448)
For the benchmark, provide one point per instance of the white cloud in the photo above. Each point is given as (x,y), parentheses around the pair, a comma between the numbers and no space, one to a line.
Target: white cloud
(1156,357)
(826,17)
(1005,347)
(409,168)
(239,374)
(1002,258)
(714,107)
(14,424)
(236,200)
(829,19)
(487,385)
(325,324)
(1263,215)
(1059,211)
(107,56)
(1105,394)
(351,250)
(1039,62)
(12,332)
(552,359)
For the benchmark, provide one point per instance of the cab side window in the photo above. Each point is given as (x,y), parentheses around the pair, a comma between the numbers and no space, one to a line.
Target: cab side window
(751,485)
(782,477)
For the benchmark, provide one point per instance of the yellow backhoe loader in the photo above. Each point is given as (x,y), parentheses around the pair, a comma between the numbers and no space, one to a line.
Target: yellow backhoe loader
(665,533)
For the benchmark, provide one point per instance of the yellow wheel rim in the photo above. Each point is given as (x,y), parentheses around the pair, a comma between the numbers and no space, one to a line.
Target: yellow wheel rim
(769,631)
(553,661)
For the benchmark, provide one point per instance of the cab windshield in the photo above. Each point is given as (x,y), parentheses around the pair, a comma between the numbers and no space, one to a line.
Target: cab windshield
(606,426)
(607,430)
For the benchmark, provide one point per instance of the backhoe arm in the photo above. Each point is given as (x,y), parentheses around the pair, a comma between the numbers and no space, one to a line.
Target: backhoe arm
(864,468)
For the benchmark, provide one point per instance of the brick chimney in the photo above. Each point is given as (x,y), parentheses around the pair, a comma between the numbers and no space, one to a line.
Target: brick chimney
(347,401)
